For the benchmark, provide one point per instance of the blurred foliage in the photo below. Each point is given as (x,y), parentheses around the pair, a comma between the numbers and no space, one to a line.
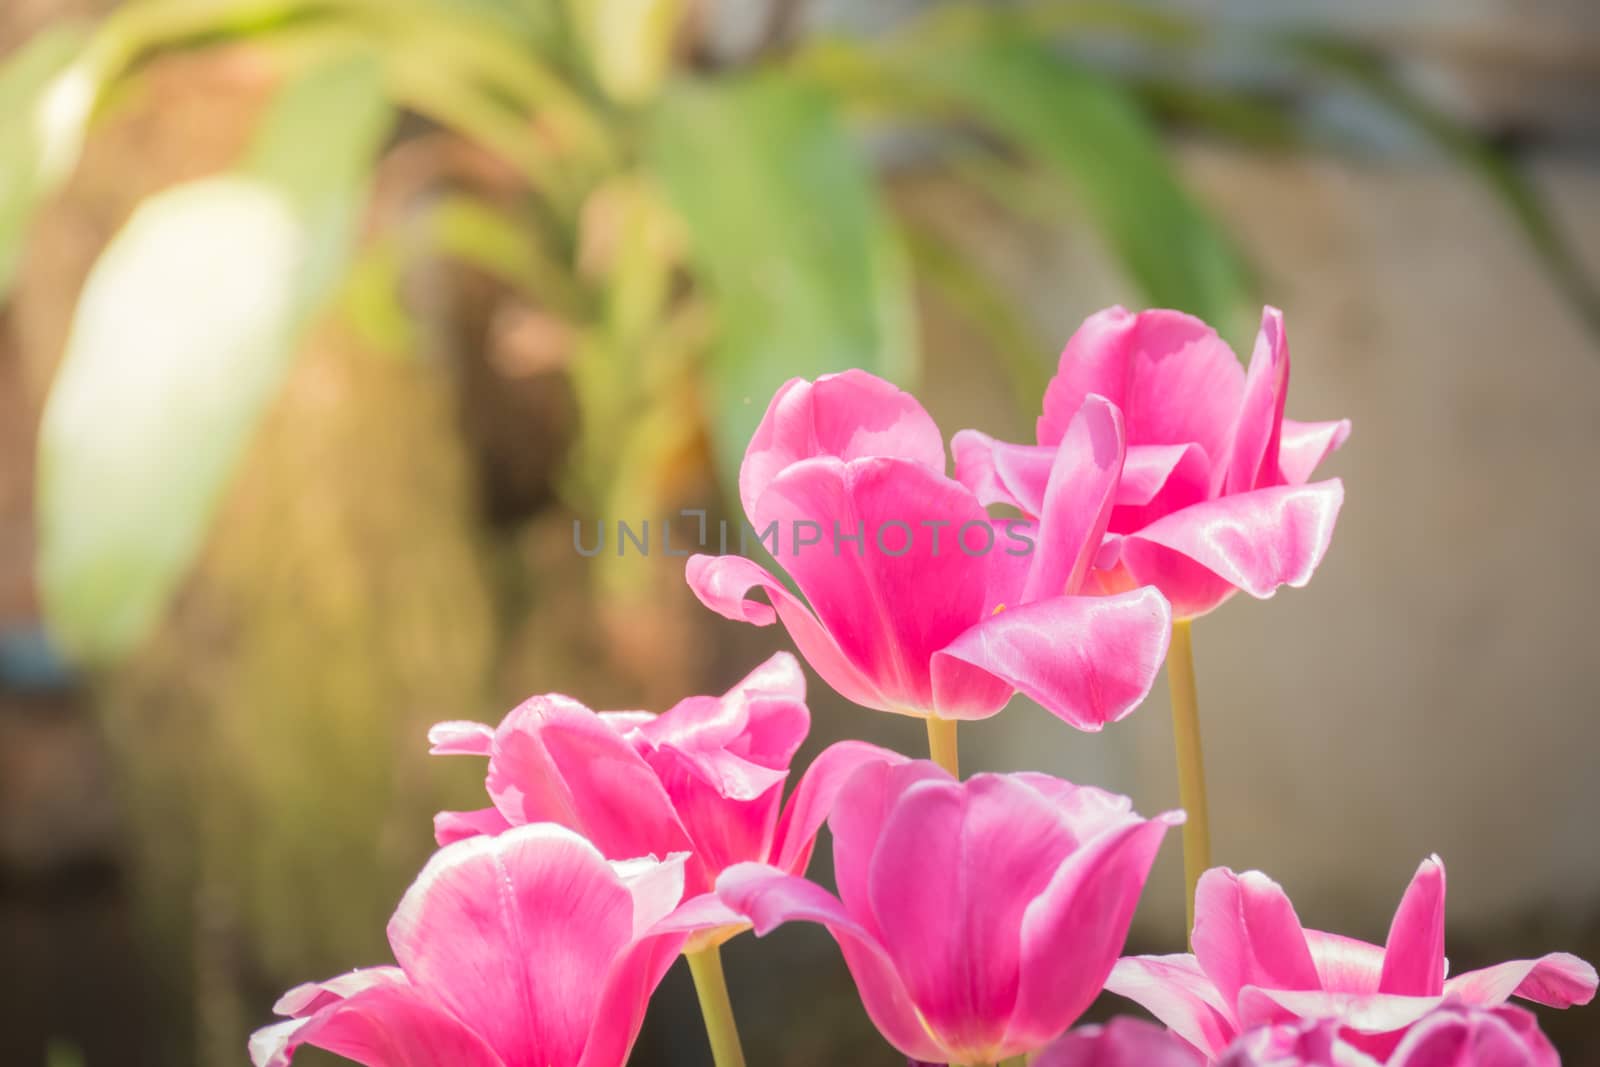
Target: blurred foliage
(695,234)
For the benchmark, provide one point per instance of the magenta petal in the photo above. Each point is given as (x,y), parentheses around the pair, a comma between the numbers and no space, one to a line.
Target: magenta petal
(1086,660)
(1123,1042)
(1346,965)
(555,761)
(1559,980)
(910,587)
(847,416)
(1176,991)
(1073,932)
(1077,500)
(771,898)
(452,826)
(956,869)
(863,804)
(384,1023)
(1316,1044)
(1413,958)
(1253,463)
(1459,1037)
(512,933)
(1253,541)
(1246,933)
(460,739)
(724,826)
(723,584)
(1175,380)
(1374,1013)
(998,472)
(1304,445)
(814,798)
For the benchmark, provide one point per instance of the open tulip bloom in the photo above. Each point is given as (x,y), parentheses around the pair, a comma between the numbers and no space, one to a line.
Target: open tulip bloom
(936,611)
(979,918)
(1215,495)
(527,948)
(705,778)
(1254,965)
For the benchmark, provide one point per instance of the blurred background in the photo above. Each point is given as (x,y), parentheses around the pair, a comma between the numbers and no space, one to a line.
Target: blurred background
(321,321)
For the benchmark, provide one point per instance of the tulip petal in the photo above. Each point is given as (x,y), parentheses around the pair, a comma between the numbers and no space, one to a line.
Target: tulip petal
(1253,463)
(1123,1042)
(910,587)
(1558,980)
(452,826)
(460,739)
(1246,933)
(864,803)
(1175,380)
(723,584)
(956,868)
(554,760)
(1252,541)
(999,472)
(1086,660)
(1304,445)
(383,1023)
(1413,957)
(1077,501)
(1456,1037)
(1073,932)
(1176,991)
(814,798)
(771,898)
(510,934)
(1372,1013)
(847,416)
(1346,965)
(1315,1044)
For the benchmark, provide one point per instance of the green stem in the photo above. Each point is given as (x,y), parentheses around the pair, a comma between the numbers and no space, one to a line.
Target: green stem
(1191,763)
(942,744)
(712,988)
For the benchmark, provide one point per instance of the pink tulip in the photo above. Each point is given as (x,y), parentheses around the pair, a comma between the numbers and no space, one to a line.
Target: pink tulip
(979,918)
(705,778)
(1213,496)
(1452,1035)
(1254,965)
(1123,1042)
(936,610)
(526,948)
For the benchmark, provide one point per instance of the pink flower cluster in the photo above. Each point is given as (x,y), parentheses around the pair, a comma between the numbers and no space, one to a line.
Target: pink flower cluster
(978,917)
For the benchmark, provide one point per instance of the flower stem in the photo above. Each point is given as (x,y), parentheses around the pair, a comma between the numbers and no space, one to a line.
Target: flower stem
(712,989)
(942,744)
(1191,763)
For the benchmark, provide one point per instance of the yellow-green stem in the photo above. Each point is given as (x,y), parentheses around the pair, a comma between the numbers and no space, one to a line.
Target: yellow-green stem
(1191,763)
(942,744)
(712,989)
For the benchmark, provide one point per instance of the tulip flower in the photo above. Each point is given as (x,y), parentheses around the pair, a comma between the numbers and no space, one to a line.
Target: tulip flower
(1215,494)
(1123,1042)
(704,778)
(1254,965)
(526,948)
(915,601)
(1452,1035)
(980,918)
(1214,497)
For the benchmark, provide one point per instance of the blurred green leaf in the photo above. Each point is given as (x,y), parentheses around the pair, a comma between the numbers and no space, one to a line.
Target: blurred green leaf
(785,222)
(41,126)
(178,345)
(1090,132)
